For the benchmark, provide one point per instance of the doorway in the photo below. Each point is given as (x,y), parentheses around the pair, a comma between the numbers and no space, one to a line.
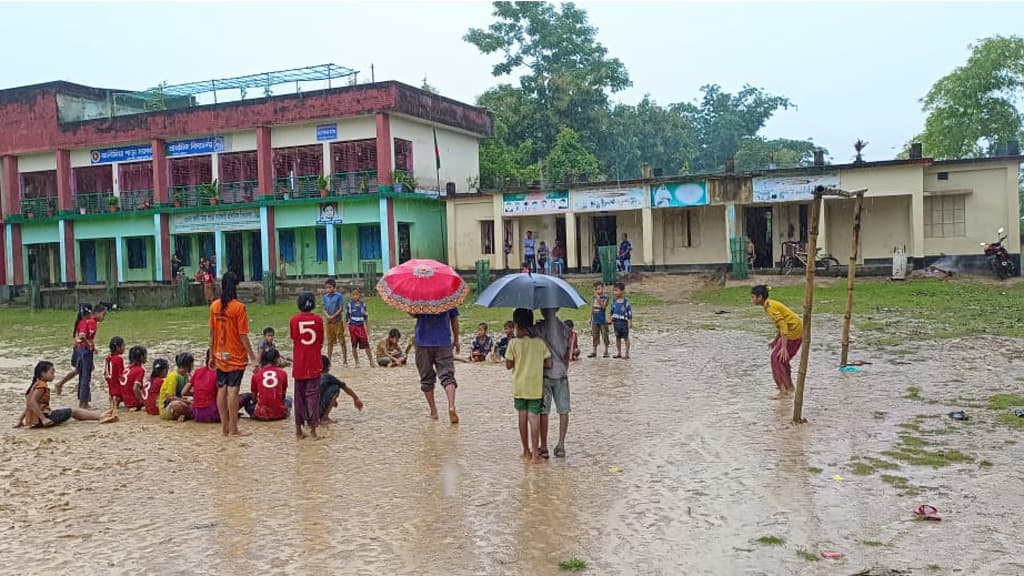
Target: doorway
(404,246)
(759,231)
(88,261)
(235,261)
(604,230)
(256,250)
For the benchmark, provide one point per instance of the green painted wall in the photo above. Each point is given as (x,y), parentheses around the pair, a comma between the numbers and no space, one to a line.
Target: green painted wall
(41,233)
(147,274)
(426,221)
(108,227)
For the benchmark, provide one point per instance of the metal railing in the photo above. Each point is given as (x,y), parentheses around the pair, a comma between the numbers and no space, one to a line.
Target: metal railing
(239,192)
(357,182)
(297,186)
(93,203)
(187,196)
(38,206)
(136,199)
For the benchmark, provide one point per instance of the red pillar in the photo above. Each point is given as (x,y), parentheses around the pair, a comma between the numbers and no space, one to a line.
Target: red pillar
(17,259)
(69,248)
(160,174)
(165,247)
(12,185)
(264,161)
(383,149)
(65,201)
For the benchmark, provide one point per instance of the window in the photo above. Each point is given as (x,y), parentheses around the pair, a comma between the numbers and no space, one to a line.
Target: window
(369,242)
(135,176)
(136,253)
(682,229)
(337,244)
(286,244)
(403,155)
(943,176)
(94,179)
(945,217)
(183,248)
(321,244)
(487,236)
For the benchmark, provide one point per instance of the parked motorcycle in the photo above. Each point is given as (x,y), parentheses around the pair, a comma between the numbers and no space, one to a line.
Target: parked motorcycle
(795,256)
(998,258)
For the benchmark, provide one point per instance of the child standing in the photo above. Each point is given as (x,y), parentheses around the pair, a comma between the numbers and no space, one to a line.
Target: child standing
(542,258)
(77,333)
(37,413)
(203,388)
(135,380)
(786,342)
(151,393)
(621,319)
(268,397)
(330,389)
(598,320)
(113,372)
(390,352)
(171,403)
(502,345)
(574,341)
(307,331)
(482,344)
(527,357)
(356,315)
(334,304)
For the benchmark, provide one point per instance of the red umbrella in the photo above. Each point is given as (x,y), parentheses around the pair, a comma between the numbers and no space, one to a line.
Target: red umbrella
(422,287)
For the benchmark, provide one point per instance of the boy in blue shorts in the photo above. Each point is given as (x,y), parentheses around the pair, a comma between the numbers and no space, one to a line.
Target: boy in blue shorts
(527,357)
(621,319)
(598,320)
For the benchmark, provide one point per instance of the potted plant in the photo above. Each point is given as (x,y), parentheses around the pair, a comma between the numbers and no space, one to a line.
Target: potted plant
(364,185)
(209,192)
(112,203)
(49,208)
(403,181)
(323,185)
(146,204)
(30,214)
(179,199)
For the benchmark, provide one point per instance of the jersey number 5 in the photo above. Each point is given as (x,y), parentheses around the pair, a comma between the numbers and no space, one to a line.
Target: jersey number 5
(307,335)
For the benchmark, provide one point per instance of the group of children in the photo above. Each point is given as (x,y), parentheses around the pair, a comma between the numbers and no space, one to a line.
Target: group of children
(620,319)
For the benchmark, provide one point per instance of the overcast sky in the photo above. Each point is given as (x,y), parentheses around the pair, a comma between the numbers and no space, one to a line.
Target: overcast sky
(854,70)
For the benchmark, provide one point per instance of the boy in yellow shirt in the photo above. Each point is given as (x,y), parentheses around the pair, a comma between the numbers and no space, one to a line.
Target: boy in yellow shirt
(786,342)
(527,357)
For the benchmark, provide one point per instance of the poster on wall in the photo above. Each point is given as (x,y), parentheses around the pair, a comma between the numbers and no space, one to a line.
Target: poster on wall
(612,199)
(535,203)
(195,146)
(791,188)
(227,220)
(679,195)
(329,213)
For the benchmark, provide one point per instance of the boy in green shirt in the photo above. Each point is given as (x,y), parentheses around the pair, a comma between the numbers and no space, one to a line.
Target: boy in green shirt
(527,357)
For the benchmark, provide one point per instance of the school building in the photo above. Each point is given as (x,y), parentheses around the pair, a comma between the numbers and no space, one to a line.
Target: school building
(104,185)
(929,208)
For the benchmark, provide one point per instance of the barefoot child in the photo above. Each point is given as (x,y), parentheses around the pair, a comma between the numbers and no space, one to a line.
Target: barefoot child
(355,315)
(202,386)
(307,331)
(78,331)
(621,319)
(334,320)
(574,341)
(330,389)
(598,319)
(171,403)
(787,340)
(268,343)
(267,399)
(527,357)
(37,412)
(151,393)
(482,344)
(135,378)
(390,352)
(555,334)
(113,372)
(499,349)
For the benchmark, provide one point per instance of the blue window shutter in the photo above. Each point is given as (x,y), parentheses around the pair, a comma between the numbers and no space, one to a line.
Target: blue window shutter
(287,242)
(369,242)
(321,244)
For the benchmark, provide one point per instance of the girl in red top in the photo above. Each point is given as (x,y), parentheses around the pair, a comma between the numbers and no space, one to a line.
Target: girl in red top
(134,381)
(307,332)
(84,332)
(151,395)
(203,388)
(113,372)
(268,398)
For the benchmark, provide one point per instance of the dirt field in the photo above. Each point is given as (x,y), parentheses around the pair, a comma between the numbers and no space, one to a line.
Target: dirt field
(678,463)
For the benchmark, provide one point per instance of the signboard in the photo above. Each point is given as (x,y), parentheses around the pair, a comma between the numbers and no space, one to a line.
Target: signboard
(329,213)
(229,220)
(535,203)
(326,132)
(209,145)
(679,195)
(615,199)
(791,188)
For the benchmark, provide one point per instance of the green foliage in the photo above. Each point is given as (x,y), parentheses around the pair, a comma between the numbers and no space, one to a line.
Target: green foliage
(647,132)
(972,110)
(570,158)
(807,556)
(756,153)
(1004,401)
(574,565)
(771,541)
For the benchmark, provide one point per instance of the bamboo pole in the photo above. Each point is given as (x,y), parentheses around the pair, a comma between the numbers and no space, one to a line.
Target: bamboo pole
(805,348)
(851,274)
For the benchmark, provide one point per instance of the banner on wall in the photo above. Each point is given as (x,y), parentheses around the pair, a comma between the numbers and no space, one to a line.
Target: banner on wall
(326,132)
(195,146)
(611,199)
(209,145)
(679,195)
(228,220)
(329,213)
(535,203)
(791,188)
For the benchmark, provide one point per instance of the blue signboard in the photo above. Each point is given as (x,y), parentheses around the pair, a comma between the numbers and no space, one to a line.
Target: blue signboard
(122,154)
(326,132)
(679,195)
(209,145)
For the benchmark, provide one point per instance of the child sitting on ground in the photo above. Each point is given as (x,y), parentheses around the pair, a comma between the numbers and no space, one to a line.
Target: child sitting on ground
(268,343)
(38,414)
(135,379)
(330,389)
(172,403)
(499,349)
(268,390)
(203,388)
(151,393)
(390,352)
(482,344)
(527,357)
(113,372)
(574,342)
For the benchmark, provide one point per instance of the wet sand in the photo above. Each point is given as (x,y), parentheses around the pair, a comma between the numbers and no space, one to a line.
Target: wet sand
(708,465)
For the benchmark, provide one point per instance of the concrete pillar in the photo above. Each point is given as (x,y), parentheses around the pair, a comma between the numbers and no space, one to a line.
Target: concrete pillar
(384,148)
(218,253)
(119,259)
(451,233)
(822,225)
(647,225)
(65,197)
(161,176)
(515,258)
(265,239)
(917,225)
(571,262)
(331,256)
(730,230)
(498,215)
(4,251)
(264,161)
(11,185)
(66,233)
(215,166)
(328,164)
(116,175)
(385,235)
(158,250)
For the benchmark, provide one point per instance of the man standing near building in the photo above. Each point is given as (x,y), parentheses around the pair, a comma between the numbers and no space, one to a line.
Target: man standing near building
(625,254)
(529,255)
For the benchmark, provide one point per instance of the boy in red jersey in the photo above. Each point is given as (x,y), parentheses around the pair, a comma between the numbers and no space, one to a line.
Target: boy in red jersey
(113,371)
(151,394)
(134,380)
(307,332)
(268,398)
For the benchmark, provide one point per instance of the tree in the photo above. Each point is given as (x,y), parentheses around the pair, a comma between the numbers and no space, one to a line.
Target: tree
(570,159)
(757,153)
(649,133)
(973,109)
(427,87)
(502,163)
(568,72)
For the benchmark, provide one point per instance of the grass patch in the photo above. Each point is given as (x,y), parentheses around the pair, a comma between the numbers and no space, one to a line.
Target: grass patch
(1004,401)
(873,543)
(708,326)
(934,568)
(985,464)
(913,393)
(1010,420)
(862,469)
(912,426)
(814,470)
(573,565)
(913,441)
(896,481)
(880,464)
(807,556)
(770,541)
(912,450)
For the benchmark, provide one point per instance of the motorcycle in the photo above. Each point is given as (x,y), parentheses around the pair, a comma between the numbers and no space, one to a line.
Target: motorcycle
(998,258)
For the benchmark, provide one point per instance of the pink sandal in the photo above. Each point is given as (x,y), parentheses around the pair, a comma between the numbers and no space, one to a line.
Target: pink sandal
(928,512)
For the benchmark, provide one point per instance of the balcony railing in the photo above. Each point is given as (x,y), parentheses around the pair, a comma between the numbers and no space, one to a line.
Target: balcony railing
(358,182)
(94,203)
(187,196)
(136,199)
(298,186)
(239,192)
(38,206)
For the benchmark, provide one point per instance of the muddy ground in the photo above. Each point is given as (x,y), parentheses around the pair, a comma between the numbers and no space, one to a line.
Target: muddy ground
(678,463)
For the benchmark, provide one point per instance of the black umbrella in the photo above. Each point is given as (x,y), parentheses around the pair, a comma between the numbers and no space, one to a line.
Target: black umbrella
(530,291)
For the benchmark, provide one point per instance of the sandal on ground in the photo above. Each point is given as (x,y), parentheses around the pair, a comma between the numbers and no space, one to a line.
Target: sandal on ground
(928,512)
(617,356)
(605,355)
(544,453)
(594,355)
(559,452)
